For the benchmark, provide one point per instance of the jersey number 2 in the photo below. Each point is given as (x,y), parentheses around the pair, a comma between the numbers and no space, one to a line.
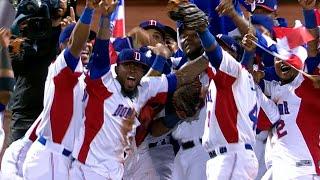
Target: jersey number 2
(280,132)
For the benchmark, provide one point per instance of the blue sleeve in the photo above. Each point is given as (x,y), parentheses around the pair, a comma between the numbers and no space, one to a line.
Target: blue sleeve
(70,59)
(208,40)
(172,82)
(215,57)
(310,19)
(99,61)
(270,74)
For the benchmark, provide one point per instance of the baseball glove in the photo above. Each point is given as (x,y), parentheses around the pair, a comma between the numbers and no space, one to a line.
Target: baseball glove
(190,15)
(186,100)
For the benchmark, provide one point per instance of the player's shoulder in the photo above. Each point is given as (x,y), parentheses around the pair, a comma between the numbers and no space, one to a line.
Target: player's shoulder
(147,80)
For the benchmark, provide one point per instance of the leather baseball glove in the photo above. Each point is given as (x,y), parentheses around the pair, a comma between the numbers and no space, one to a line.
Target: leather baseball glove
(190,15)
(186,100)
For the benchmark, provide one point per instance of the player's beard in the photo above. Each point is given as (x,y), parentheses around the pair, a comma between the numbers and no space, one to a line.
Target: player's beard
(130,94)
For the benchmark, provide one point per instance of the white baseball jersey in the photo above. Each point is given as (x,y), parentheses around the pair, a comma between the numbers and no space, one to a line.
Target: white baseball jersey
(100,142)
(62,108)
(298,130)
(231,106)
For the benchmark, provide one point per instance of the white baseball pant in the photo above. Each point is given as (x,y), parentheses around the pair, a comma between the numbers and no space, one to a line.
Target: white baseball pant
(139,165)
(236,163)
(46,162)
(162,155)
(190,164)
(14,157)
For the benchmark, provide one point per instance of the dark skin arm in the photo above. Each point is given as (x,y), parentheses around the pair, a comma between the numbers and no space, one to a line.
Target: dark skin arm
(80,33)
(226,8)
(312,45)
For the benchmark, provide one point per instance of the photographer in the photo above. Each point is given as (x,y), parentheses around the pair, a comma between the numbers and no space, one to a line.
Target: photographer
(36,28)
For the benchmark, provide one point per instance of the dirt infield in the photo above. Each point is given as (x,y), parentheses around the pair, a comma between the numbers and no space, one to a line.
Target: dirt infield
(135,13)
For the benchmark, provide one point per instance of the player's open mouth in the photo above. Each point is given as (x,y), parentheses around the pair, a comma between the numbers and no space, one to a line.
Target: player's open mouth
(131,78)
(285,68)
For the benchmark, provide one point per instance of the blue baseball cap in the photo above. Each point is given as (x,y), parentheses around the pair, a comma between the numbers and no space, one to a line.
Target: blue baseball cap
(153,24)
(133,55)
(270,5)
(66,33)
(122,43)
(231,43)
(263,20)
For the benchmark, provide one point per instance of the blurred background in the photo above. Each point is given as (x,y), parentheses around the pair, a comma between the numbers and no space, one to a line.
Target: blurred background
(137,11)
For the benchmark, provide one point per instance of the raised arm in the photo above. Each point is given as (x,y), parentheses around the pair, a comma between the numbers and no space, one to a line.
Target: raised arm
(80,35)
(226,8)
(100,60)
(311,24)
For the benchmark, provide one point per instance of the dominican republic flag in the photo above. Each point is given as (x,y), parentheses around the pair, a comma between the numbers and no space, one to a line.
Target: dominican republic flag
(117,28)
(117,21)
(290,45)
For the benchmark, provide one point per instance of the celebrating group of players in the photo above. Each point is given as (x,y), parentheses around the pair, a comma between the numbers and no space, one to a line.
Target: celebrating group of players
(191,104)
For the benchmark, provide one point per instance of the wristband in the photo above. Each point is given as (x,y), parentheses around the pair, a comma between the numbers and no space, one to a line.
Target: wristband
(310,19)
(158,63)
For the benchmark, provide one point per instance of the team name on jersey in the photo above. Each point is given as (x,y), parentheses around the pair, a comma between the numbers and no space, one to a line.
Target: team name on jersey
(122,111)
(283,108)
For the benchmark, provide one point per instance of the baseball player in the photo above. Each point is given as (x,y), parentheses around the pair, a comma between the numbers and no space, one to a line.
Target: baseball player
(100,139)
(231,112)
(289,162)
(151,133)
(190,161)
(49,157)
(295,97)
(227,146)
(155,29)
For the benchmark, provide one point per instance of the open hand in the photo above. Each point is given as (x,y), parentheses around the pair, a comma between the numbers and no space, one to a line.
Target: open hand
(307,4)
(226,8)
(107,7)
(69,19)
(248,41)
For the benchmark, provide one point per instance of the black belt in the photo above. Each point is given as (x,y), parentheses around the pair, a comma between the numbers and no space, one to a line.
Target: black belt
(162,142)
(189,144)
(224,149)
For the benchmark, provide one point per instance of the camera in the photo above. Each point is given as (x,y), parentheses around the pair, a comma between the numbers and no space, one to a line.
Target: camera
(32,26)
(32,20)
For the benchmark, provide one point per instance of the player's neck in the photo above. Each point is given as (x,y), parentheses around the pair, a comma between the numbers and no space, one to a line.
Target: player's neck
(287,81)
